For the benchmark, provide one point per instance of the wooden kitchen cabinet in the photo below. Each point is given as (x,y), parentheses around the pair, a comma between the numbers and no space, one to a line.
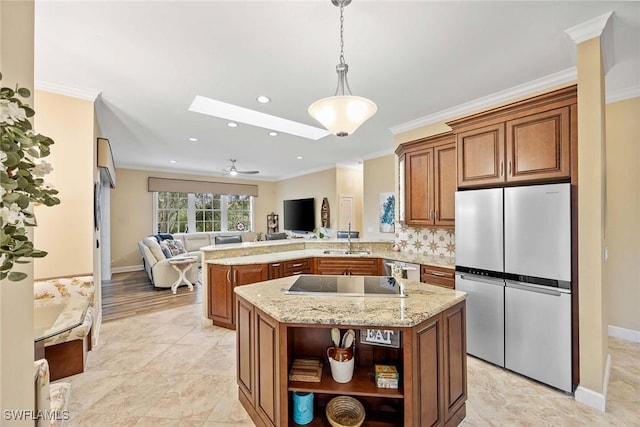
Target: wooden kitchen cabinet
(440,276)
(245,330)
(222,280)
(297,266)
(349,266)
(290,268)
(429,180)
(527,141)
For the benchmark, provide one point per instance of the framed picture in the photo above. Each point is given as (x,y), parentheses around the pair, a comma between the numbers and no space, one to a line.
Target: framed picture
(387,212)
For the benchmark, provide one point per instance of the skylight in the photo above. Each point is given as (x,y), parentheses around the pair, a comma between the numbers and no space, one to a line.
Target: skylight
(212,107)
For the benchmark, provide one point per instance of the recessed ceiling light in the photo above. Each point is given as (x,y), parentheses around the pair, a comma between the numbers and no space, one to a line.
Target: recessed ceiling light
(273,133)
(263,99)
(232,124)
(299,157)
(193,139)
(238,114)
(172,161)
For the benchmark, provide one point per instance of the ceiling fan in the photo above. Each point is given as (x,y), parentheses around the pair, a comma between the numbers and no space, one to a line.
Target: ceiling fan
(234,171)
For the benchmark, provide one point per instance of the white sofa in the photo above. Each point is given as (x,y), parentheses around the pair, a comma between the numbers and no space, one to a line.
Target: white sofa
(160,271)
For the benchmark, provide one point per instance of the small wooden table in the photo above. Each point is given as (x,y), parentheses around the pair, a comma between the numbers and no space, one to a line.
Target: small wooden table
(182,265)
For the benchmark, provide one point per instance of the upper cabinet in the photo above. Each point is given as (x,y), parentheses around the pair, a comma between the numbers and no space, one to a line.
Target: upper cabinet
(428,175)
(527,141)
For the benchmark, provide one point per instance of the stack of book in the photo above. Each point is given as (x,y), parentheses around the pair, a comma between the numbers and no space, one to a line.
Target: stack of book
(386,376)
(307,369)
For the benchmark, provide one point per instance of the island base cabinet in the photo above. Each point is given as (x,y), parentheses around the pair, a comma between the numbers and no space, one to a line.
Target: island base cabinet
(258,364)
(431,360)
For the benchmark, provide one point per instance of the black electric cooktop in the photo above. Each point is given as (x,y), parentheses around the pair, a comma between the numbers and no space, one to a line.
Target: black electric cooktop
(360,286)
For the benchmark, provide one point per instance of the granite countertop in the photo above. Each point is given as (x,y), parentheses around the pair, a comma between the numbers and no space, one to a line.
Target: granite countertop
(265,258)
(422,302)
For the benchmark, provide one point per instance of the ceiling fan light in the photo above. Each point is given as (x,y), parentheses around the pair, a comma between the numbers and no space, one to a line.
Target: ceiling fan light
(343,114)
(233,172)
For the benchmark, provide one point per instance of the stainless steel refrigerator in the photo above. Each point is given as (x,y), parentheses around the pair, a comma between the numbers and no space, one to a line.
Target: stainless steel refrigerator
(513,258)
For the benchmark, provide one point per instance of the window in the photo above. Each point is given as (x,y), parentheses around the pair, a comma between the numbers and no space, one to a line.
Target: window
(172,212)
(183,212)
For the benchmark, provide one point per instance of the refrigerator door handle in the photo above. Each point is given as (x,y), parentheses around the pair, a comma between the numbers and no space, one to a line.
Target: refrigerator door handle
(537,288)
(481,279)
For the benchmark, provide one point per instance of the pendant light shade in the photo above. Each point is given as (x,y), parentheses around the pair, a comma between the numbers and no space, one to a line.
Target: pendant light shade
(342,114)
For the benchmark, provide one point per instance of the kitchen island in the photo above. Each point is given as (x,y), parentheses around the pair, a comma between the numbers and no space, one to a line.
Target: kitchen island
(274,328)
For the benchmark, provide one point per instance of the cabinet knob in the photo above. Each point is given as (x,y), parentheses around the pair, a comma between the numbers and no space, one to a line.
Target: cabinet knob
(510,167)
(501,168)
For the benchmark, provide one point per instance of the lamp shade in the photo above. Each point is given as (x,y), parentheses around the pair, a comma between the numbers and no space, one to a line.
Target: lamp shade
(342,115)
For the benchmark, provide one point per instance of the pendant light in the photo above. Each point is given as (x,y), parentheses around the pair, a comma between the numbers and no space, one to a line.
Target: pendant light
(342,113)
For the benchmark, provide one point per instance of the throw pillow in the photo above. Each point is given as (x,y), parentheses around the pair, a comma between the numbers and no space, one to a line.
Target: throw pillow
(174,247)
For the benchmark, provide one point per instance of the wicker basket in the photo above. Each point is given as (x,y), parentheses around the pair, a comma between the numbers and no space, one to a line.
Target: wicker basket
(345,411)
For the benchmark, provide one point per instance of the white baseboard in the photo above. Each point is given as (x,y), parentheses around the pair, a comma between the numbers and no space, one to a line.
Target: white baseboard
(592,398)
(127,269)
(206,322)
(625,334)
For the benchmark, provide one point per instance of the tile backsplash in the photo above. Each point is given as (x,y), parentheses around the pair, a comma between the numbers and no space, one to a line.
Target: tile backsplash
(426,241)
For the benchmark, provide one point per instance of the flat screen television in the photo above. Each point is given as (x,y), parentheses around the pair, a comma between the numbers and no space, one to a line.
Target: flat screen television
(299,214)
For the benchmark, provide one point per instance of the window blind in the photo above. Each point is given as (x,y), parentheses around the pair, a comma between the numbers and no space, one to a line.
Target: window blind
(193,186)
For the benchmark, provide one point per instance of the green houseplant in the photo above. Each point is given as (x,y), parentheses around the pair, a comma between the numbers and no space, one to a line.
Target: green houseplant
(21,180)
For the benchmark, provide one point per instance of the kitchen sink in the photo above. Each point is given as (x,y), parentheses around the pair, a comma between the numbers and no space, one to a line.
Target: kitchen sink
(348,252)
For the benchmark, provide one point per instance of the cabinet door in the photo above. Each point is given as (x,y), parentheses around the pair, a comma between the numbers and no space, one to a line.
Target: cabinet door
(538,146)
(267,375)
(365,267)
(455,359)
(275,270)
(480,155)
(445,184)
(245,348)
(247,274)
(331,266)
(220,294)
(419,187)
(428,399)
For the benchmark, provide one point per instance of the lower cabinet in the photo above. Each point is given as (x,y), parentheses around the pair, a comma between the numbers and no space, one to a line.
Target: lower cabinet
(267,369)
(290,268)
(440,276)
(349,266)
(222,279)
(245,330)
(431,361)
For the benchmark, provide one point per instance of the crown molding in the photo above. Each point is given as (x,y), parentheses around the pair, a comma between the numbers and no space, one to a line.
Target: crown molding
(563,77)
(589,29)
(622,94)
(600,26)
(74,92)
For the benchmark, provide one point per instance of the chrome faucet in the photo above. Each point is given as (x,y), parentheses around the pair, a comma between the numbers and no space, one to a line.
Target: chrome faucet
(349,237)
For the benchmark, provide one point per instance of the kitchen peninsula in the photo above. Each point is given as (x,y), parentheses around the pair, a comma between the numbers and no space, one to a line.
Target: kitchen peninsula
(228,266)
(274,328)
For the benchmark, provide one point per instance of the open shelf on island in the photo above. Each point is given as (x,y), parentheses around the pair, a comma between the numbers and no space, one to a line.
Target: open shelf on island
(362,384)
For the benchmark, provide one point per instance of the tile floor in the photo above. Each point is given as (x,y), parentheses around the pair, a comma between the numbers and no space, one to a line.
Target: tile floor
(164,369)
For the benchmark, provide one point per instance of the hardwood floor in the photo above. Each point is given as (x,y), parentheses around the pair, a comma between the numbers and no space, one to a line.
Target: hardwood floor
(128,294)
